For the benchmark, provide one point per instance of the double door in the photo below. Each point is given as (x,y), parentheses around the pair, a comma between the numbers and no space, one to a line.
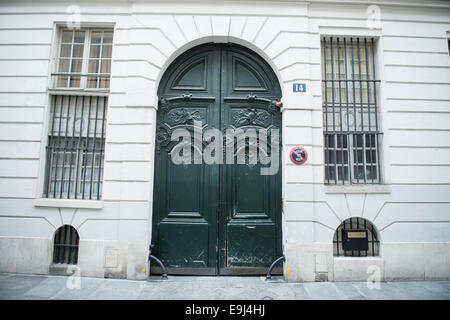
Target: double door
(210,216)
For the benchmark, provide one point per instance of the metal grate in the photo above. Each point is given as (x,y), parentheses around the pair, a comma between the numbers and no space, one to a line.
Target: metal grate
(75,150)
(65,248)
(350,111)
(356,224)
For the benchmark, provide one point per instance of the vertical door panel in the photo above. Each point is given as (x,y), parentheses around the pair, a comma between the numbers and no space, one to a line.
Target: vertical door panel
(186,195)
(250,220)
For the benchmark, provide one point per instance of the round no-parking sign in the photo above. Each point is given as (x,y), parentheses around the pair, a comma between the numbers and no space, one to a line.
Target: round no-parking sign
(298,155)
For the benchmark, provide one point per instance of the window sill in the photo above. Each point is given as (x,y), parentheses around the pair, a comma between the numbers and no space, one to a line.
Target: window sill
(69,203)
(358,189)
(60,269)
(78,91)
(341,258)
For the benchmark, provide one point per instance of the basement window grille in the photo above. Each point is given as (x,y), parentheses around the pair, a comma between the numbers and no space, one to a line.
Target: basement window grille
(75,149)
(65,249)
(350,111)
(359,227)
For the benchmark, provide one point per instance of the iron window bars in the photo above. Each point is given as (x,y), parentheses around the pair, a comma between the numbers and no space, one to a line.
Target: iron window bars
(65,245)
(75,150)
(84,59)
(356,224)
(350,111)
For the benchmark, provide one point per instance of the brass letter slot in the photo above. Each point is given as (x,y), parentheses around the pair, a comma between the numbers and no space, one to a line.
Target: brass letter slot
(356,235)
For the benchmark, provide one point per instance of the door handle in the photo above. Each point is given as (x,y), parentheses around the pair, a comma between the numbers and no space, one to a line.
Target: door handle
(187,97)
(252,97)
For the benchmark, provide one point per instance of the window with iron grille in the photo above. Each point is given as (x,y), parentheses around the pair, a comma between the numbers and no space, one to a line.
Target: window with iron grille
(84,59)
(357,226)
(75,149)
(350,111)
(65,245)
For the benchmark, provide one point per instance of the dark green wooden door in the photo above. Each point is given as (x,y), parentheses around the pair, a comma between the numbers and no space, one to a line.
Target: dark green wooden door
(216,218)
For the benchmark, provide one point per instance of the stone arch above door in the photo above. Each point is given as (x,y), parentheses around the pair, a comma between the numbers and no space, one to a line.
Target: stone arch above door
(216,39)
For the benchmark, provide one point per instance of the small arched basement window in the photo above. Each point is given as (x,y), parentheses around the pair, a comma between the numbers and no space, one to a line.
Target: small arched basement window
(356,237)
(65,248)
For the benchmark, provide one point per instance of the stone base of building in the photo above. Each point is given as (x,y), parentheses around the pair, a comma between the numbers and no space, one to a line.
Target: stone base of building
(304,262)
(398,261)
(100,259)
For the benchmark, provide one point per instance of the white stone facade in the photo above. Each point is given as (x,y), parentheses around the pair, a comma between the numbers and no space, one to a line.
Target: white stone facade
(411,210)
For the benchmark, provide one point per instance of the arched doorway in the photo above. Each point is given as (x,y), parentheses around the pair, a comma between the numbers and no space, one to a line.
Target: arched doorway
(220,217)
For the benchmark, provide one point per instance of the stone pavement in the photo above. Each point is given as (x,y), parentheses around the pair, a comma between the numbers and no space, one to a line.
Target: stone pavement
(36,287)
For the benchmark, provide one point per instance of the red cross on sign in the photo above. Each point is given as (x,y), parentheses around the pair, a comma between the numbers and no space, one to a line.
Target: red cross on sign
(298,155)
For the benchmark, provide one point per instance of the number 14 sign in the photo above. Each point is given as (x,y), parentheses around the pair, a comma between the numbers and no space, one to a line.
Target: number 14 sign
(299,87)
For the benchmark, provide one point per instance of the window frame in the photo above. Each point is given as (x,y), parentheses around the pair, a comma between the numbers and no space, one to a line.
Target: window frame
(63,244)
(448,45)
(85,59)
(332,182)
(357,223)
(58,26)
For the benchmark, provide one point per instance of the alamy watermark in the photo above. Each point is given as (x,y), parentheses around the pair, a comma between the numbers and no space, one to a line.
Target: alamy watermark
(74,281)
(74,19)
(373,20)
(241,146)
(374,278)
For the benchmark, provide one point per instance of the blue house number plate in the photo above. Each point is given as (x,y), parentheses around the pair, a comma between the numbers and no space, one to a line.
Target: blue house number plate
(299,87)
